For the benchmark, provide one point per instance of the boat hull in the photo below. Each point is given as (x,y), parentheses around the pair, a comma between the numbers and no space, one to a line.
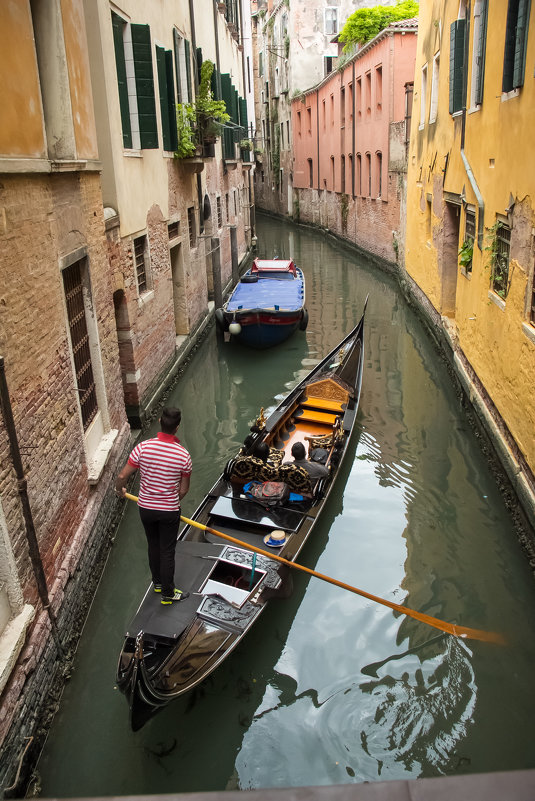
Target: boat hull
(169,650)
(262,329)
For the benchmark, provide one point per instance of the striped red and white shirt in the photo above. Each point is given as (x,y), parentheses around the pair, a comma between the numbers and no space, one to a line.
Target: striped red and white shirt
(162,462)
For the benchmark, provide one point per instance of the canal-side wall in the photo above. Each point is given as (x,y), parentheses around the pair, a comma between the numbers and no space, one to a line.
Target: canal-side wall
(31,696)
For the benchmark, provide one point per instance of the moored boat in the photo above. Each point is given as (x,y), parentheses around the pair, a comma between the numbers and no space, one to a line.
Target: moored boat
(267,305)
(169,650)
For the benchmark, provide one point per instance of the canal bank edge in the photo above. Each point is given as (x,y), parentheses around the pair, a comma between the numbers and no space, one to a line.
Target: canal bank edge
(513,475)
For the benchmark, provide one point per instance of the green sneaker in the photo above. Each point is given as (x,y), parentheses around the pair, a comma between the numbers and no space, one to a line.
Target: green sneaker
(178,595)
(157,587)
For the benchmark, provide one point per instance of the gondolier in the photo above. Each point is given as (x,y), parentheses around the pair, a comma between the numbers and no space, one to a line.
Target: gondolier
(165,467)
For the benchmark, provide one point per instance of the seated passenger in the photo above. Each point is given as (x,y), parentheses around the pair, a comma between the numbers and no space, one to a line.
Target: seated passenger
(255,466)
(314,469)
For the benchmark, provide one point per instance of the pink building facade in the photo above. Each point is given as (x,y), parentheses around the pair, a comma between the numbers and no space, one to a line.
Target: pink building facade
(350,135)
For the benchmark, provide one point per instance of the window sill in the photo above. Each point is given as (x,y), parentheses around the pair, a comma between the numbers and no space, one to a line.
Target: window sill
(133,154)
(146,297)
(100,456)
(509,95)
(529,331)
(12,641)
(496,299)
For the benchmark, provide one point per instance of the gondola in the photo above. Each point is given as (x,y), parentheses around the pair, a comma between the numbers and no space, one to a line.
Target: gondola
(169,650)
(266,306)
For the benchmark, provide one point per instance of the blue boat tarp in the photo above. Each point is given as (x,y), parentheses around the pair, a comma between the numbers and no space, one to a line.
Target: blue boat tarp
(268,293)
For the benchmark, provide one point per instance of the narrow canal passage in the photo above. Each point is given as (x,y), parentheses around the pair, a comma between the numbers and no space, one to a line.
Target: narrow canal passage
(329,688)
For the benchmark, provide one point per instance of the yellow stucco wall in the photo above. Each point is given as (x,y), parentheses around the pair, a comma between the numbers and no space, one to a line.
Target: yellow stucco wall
(72,13)
(21,128)
(495,335)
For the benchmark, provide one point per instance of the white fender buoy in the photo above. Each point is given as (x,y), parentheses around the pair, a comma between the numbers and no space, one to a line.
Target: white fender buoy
(234,328)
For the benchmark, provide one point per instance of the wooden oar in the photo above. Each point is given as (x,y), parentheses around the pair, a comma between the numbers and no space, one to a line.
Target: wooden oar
(449,628)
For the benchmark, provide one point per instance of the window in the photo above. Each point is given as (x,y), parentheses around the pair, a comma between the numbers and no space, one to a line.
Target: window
(359,97)
(350,101)
(310,173)
(140,263)
(299,123)
(469,238)
(164,62)
(328,60)
(324,114)
(260,65)
(379,161)
(133,60)
(181,48)
(433,106)
(343,174)
(219,213)
(282,134)
(330,18)
(343,105)
(500,259)
(478,55)
(359,174)
(369,168)
(378,89)
(226,204)
(368,79)
(309,119)
(423,96)
(75,298)
(516,40)
(332,109)
(191,227)
(173,229)
(457,82)
(332,174)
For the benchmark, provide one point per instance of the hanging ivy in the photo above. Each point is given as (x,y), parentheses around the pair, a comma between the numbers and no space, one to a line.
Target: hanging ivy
(365,23)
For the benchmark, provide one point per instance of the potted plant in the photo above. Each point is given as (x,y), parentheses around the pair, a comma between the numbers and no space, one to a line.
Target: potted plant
(246,144)
(202,122)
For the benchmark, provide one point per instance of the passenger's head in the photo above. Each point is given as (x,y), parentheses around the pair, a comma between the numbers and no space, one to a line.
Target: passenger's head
(261,451)
(298,450)
(170,419)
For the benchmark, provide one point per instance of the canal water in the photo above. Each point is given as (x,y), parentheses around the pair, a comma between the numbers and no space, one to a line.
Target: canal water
(329,688)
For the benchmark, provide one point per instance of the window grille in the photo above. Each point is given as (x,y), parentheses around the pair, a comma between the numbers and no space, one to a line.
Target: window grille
(500,260)
(140,245)
(469,233)
(219,213)
(173,230)
(85,382)
(191,227)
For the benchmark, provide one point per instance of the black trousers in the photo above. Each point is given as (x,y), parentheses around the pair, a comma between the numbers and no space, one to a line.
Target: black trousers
(161,529)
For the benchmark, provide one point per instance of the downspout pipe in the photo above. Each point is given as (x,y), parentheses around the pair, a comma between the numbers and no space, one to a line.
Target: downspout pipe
(22,486)
(467,167)
(318,133)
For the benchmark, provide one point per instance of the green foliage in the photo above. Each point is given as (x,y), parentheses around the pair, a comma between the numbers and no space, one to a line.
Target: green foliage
(246,144)
(202,120)
(466,254)
(365,23)
(185,125)
(498,262)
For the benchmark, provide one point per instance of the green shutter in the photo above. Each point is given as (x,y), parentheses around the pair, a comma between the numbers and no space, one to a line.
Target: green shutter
(164,61)
(199,64)
(457,31)
(481,51)
(176,48)
(118,25)
(521,42)
(188,71)
(173,140)
(146,104)
(228,139)
(243,115)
